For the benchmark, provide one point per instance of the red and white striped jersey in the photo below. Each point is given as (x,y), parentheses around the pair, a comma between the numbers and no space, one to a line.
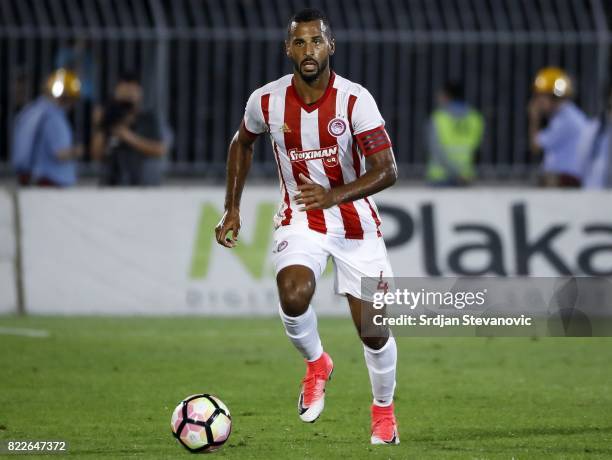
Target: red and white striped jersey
(326,141)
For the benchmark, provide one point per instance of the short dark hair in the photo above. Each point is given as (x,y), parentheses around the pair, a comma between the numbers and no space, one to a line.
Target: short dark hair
(454,90)
(308,15)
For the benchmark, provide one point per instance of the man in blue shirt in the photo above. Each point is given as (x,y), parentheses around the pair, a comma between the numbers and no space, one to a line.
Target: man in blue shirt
(42,152)
(558,140)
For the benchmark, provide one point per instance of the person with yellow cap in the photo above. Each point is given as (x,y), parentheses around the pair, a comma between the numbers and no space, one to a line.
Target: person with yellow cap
(555,127)
(43,152)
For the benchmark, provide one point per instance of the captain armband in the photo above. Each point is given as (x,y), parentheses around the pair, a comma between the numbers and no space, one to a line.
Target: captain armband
(373,141)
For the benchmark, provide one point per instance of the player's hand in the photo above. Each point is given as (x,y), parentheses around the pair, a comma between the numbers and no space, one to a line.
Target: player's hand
(230,222)
(314,196)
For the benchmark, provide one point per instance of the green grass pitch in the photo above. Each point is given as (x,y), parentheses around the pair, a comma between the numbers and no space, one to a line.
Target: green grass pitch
(108,387)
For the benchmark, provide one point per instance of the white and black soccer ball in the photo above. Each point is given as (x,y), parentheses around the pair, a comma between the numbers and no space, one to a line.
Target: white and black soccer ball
(201,423)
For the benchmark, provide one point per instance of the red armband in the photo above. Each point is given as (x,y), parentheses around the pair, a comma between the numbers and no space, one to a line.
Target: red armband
(373,141)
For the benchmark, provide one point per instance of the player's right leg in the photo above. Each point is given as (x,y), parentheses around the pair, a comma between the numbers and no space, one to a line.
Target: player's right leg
(299,260)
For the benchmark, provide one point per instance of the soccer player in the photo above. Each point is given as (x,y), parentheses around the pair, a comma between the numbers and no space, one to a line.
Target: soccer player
(332,153)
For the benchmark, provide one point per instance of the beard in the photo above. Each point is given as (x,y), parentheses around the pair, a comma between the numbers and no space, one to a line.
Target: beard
(309,78)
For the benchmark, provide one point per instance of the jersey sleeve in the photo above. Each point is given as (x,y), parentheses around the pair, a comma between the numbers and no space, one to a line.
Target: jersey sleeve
(253,121)
(368,125)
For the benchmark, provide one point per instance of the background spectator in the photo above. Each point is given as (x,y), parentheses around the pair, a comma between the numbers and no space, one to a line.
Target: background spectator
(563,123)
(19,87)
(128,140)
(595,149)
(454,135)
(43,152)
(78,57)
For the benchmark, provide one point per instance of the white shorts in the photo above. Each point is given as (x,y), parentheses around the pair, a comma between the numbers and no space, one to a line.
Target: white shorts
(353,259)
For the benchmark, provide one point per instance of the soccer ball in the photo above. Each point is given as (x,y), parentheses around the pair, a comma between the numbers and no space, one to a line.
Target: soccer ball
(201,423)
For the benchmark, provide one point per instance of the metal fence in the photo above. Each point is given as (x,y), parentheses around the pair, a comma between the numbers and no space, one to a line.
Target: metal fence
(200,59)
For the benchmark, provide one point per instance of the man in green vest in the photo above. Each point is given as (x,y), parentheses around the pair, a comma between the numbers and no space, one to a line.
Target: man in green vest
(454,135)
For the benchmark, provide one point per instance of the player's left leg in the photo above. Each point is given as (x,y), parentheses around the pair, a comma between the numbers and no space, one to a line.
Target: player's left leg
(354,260)
(380,353)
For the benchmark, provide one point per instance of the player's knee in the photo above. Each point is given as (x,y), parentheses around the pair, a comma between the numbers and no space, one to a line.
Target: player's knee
(372,335)
(375,343)
(295,297)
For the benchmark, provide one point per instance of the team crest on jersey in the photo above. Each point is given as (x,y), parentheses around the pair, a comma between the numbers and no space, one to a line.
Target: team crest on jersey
(328,155)
(336,127)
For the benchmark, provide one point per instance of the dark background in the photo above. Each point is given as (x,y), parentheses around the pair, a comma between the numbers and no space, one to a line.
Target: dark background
(200,59)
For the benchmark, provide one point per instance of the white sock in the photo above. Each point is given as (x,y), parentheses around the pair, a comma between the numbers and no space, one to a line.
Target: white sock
(381,367)
(302,331)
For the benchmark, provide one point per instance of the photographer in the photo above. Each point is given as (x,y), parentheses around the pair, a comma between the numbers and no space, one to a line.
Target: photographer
(128,140)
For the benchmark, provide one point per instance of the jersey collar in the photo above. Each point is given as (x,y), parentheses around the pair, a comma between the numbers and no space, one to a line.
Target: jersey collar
(314,106)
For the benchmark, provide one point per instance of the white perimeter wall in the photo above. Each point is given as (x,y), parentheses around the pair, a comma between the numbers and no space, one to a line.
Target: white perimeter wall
(91,251)
(8,293)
